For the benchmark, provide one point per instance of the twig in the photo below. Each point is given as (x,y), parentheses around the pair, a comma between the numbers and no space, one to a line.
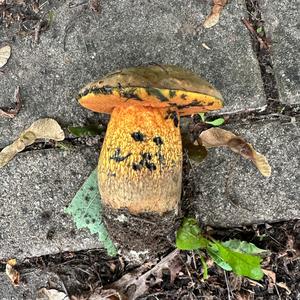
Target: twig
(228,288)
(11,113)
(37,31)
(249,26)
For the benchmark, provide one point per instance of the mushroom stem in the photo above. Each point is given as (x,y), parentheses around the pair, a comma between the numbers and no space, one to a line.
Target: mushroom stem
(140,165)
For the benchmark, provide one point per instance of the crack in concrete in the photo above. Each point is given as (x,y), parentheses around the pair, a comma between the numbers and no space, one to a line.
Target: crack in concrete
(263,54)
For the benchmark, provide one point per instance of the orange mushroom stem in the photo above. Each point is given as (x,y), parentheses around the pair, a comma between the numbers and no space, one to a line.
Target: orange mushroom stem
(140,165)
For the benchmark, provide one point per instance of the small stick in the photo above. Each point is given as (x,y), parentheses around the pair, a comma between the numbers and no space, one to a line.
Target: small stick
(249,26)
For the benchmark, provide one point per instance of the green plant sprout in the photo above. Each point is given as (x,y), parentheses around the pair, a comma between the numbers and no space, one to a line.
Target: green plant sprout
(216,122)
(234,255)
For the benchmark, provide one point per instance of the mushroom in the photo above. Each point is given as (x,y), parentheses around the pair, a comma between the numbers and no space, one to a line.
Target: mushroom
(140,165)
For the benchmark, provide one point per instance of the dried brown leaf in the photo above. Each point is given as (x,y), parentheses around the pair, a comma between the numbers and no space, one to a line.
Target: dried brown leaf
(94,5)
(272,277)
(41,129)
(214,16)
(5,53)
(284,286)
(13,275)
(216,137)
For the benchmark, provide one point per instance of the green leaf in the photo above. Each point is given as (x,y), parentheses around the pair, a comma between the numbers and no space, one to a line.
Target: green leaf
(241,263)
(212,250)
(85,208)
(216,122)
(259,30)
(188,236)
(243,247)
(90,130)
(204,266)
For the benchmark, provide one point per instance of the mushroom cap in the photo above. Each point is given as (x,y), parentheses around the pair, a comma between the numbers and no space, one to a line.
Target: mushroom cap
(155,86)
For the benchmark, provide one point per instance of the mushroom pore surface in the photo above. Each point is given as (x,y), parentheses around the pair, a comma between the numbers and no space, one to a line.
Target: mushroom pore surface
(140,165)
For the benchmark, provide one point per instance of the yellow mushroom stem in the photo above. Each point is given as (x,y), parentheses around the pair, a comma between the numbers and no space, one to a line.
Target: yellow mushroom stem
(140,165)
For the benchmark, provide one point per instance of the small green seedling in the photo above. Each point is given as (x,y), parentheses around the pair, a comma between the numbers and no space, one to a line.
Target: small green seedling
(233,255)
(215,123)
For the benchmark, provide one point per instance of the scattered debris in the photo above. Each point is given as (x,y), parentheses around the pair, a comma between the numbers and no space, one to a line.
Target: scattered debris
(136,283)
(41,129)
(11,113)
(262,43)
(216,137)
(284,286)
(95,5)
(51,294)
(13,275)
(205,46)
(5,53)
(214,16)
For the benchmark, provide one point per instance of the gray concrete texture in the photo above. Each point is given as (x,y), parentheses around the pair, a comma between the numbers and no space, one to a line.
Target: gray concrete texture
(35,188)
(130,33)
(230,191)
(30,284)
(283,29)
(126,33)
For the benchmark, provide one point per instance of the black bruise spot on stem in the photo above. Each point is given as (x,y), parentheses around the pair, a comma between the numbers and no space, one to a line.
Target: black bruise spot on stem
(137,167)
(183,96)
(150,166)
(138,136)
(118,157)
(146,156)
(158,140)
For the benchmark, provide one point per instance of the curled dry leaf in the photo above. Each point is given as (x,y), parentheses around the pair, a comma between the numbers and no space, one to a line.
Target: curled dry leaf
(216,137)
(5,53)
(13,275)
(214,16)
(41,129)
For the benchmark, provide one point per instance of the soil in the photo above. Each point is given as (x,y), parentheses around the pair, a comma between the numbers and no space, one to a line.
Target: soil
(84,272)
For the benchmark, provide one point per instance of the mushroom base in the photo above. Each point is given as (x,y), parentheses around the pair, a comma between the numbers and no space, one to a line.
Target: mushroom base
(143,236)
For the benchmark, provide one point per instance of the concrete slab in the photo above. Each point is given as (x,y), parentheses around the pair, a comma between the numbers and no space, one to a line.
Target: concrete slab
(282,25)
(224,178)
(125,33)
(30,283)
(35,188)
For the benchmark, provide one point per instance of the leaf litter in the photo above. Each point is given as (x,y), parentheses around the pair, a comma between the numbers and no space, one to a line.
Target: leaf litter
(214,16)
(5,53)
(41,129)
(217,137)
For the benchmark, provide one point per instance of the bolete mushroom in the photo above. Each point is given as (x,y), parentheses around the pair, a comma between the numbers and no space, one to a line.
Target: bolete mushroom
(140,165)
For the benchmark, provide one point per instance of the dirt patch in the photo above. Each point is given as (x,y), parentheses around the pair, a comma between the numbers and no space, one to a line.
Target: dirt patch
(83,272)
(148,234)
